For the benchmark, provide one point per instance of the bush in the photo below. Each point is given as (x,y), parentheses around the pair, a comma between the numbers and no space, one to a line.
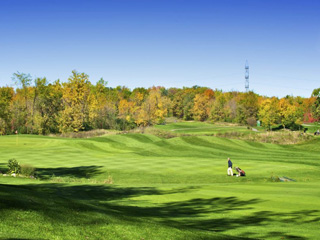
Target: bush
(28,170)
(295,127)
(274,178)
(84,134)
(252,121)
(14,166)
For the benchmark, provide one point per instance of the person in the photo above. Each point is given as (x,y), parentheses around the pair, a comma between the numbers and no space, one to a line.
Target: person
(230,172)
(241,173)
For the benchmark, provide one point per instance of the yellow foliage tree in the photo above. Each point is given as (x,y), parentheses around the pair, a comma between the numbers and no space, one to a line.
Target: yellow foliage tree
(126,109)
(153,110)
(268,112)
(76,99)
(201,107)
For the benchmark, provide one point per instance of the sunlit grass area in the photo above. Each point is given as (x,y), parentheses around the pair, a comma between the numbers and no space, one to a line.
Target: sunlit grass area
(312,127)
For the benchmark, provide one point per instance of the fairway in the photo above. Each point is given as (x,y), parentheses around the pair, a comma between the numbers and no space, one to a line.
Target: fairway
(140,186)
(159,120)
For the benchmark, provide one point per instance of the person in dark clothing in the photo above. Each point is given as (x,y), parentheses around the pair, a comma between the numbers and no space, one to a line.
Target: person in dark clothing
(230,172)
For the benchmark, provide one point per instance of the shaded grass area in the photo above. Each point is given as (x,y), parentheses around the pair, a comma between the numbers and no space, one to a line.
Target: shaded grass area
(77,172)
(79,212)
(68,207)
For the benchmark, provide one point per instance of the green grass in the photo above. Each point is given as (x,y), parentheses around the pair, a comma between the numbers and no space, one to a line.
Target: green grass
(312,127)
(173,188)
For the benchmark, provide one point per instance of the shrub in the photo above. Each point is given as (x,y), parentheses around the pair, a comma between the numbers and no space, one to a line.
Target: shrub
(295,127)
(84,134)
(274,178)
(14,166)
(108,181)
(28,170)
(252,121)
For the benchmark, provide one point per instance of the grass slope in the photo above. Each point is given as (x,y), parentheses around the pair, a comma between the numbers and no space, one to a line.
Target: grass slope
(163,188)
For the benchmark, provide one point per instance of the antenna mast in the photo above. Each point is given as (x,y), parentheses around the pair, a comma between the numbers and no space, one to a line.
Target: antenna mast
(247,76)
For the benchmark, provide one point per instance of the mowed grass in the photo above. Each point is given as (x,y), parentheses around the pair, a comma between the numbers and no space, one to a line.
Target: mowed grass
(162,188)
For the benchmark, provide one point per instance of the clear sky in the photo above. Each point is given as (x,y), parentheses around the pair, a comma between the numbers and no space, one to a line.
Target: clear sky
(170,43)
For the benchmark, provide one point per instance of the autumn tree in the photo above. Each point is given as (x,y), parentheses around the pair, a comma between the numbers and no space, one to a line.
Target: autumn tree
(268,112)
(247,107)
(231,106)
(6,97)
(138,96)
(103,107)
(286,112)
(177,102)
(37,93)
(188,101)
(41,107)
(48,106)
(307,106)
(76,98)
(153,110)
(202,105)
(217,111)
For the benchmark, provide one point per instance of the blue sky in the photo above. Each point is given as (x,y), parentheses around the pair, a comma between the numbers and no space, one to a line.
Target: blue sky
(170,43)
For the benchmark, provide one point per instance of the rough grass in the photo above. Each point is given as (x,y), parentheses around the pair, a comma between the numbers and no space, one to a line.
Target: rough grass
(283,137)
(160,188)
(233,131)
(86,134)
(202,128)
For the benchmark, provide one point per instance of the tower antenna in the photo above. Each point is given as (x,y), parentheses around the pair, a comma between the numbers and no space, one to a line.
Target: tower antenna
(247,76)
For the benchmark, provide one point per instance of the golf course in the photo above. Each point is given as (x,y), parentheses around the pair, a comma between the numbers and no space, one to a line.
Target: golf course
(142,186)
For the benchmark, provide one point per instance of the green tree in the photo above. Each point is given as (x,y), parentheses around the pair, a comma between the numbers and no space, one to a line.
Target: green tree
(316,104)
(23,81)
(218,108)
(47,106)
(247,107)
(23,113)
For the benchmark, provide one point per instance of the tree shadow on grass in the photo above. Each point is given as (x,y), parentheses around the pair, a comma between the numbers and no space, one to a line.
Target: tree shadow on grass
(273,235)
(3,167)
(77,172)
(20,238)
(101,204)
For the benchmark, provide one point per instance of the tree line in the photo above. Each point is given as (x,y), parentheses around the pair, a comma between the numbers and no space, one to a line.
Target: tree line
(36,106)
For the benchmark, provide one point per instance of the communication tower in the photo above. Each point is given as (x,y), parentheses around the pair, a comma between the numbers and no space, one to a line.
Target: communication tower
(247,76)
